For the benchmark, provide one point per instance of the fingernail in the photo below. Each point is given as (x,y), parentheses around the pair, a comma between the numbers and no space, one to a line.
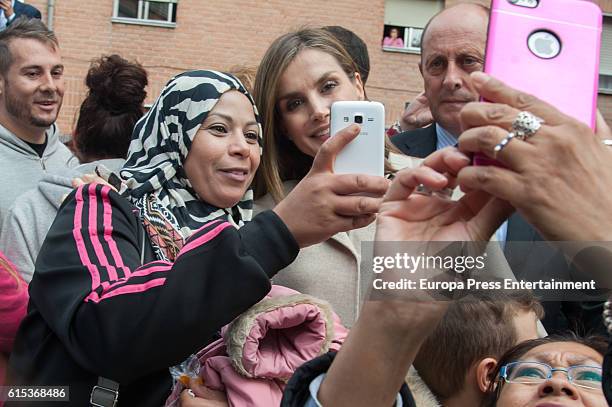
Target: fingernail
(480,78)
(439,177)
(462,156)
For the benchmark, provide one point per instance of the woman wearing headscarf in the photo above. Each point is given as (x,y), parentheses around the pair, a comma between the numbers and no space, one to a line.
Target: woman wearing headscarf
(125,288)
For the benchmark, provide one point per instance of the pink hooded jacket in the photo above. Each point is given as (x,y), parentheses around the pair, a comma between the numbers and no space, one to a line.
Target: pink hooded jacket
(260,350)
(13,307)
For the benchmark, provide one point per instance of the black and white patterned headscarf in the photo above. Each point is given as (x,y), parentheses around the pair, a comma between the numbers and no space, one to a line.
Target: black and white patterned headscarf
(153,176)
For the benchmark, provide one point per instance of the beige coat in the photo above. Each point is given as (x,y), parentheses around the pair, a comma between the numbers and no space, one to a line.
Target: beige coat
(328,270)
(331,270)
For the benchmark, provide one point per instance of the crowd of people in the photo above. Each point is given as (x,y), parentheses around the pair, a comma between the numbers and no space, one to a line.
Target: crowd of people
(203,252)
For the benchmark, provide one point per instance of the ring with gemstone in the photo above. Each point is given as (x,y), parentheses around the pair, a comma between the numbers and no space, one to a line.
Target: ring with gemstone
(525,125)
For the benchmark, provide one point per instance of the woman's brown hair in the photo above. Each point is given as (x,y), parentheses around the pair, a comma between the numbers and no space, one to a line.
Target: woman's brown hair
(111,108)
(282,160)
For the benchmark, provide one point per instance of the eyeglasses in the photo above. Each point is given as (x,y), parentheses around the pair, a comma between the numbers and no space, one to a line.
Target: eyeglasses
(535,373)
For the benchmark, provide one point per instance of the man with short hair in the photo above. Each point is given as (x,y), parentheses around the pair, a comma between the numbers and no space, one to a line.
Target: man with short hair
(31,92)
(452,47)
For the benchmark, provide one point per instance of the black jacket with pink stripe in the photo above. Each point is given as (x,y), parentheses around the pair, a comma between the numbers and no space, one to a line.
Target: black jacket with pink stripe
(96,310)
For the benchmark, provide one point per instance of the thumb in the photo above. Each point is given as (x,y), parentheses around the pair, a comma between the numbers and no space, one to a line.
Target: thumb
(324,160)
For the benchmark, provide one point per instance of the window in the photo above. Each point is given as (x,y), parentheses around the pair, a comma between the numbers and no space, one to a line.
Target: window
(146,12)
(605,59)
(405,19)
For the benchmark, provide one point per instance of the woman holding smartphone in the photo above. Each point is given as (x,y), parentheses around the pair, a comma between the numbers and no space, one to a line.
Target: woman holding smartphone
(298,79)
(532,182)
(129,284)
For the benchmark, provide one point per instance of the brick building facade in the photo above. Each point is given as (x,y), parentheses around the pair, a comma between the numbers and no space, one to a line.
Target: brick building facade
(218,34)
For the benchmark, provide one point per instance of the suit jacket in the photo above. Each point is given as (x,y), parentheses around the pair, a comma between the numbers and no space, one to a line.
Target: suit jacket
(523,257)
(22,9)
(417,143)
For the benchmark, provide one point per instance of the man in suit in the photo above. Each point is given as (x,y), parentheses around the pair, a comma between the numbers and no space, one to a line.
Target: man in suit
(12,9)
(452,46)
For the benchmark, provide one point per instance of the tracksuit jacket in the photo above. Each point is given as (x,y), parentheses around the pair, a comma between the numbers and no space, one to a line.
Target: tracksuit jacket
(101,305)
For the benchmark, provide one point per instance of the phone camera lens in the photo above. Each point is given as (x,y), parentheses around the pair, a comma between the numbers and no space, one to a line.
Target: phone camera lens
(358,119)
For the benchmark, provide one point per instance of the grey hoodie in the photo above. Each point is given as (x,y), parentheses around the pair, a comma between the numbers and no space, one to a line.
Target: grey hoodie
(21,168)
(27,222)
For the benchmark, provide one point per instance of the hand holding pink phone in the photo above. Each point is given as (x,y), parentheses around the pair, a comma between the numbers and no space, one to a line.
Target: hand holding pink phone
(548,48)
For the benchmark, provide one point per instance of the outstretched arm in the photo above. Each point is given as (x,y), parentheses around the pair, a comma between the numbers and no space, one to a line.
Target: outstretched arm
(372,364)
(111,312)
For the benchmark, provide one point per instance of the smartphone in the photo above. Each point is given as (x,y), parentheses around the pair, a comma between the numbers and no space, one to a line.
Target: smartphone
(366,153)
(550,49)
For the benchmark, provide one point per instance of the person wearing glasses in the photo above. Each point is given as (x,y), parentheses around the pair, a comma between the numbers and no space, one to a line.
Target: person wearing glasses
(370,367)
(558,370)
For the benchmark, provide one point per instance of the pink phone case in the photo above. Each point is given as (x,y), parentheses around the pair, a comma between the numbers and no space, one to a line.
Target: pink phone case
(568,81)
